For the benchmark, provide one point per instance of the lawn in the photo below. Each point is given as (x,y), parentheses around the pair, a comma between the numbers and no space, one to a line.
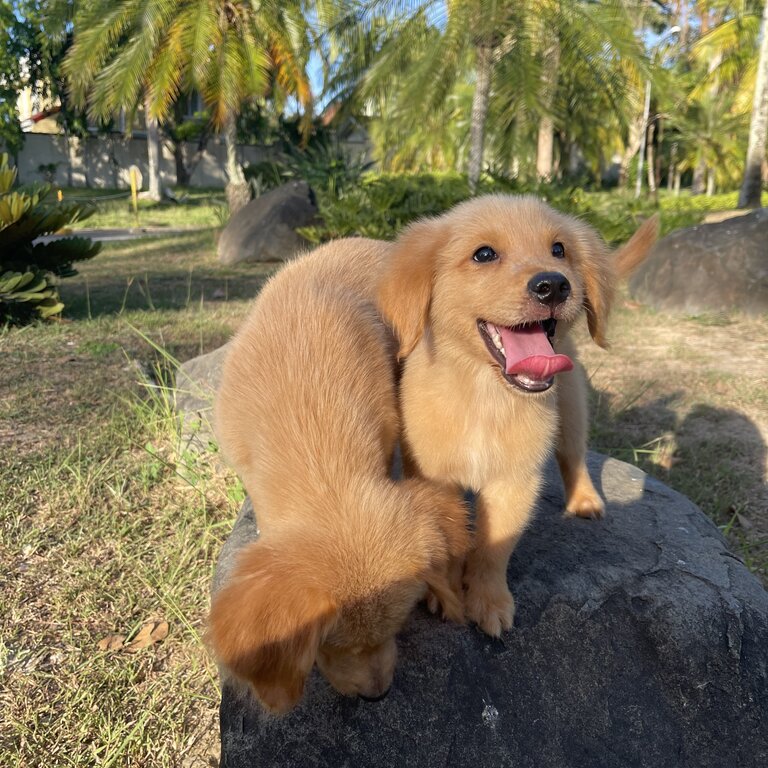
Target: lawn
(198,208)
(109,524)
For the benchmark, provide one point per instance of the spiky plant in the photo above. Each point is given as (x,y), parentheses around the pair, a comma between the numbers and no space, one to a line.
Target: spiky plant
(30,269)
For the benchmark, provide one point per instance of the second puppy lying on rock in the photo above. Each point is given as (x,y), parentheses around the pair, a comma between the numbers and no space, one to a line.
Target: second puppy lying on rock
(307,415)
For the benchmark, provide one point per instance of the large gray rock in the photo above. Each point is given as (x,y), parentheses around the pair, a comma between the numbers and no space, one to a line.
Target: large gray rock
(639,642)
(265,229)
(708,268)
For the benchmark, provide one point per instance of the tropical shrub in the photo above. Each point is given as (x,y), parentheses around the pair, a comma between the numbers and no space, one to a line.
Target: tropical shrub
(30,270)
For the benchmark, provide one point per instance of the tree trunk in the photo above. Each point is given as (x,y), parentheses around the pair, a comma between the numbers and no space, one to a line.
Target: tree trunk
(153,153)
(634,142)
(672,170)
(480,101)
(643,139)
(711,182)
(545,143)
(651,163)
(751,186)
(238,191)
(699,176)
(182,174)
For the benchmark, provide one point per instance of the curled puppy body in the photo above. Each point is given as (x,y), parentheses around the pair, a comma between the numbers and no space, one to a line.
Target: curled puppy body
(482,299)
(307,415)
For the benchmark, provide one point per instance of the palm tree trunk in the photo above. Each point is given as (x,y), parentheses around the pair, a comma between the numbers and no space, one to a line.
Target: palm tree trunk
(699,177)
(153,153)
(238,191)
(634,142)
(480,101)
(751,186)
(643,139)
(651,161)
(545,143)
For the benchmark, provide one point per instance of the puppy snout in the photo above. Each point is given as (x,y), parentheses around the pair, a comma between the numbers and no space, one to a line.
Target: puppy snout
(551,288)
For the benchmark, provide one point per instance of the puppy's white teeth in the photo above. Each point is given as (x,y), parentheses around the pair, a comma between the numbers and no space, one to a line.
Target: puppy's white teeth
(496,338)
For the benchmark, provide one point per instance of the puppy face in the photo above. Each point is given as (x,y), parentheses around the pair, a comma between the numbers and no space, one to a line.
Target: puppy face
(339,598)
(498,279)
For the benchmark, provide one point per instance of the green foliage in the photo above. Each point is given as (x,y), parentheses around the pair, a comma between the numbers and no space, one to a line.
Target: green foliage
(29,270)
(381,205)
(327,166)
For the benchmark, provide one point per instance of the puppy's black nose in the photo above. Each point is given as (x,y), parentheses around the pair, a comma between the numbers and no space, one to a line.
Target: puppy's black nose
(550,288)
(373,698)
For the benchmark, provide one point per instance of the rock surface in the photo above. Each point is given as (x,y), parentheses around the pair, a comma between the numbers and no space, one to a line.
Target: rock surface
(639,642)
(708,268)
(265,229)
(196,383)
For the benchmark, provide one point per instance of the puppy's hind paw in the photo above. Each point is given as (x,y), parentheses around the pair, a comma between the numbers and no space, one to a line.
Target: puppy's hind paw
(447,605)
(493,612)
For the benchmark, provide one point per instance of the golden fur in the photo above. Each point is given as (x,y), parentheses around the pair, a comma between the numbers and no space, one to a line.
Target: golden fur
(464,424)
(307,415)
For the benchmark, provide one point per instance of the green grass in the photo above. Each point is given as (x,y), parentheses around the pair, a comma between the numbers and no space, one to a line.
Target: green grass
(107,521)
(202,208)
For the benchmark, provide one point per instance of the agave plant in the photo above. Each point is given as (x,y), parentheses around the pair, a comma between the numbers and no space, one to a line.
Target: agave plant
(30,268)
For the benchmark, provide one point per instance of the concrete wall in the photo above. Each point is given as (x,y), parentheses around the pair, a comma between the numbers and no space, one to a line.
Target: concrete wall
(103,161)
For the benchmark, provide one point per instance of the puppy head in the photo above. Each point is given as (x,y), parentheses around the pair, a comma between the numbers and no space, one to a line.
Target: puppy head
(340,596)
(499,279)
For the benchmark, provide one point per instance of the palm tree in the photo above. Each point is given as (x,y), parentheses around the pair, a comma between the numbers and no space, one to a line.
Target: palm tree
(132,52)
(430,53)
(751,187)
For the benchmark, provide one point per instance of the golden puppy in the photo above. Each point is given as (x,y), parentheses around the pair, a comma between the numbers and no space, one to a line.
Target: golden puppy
(482,299)
(307,415)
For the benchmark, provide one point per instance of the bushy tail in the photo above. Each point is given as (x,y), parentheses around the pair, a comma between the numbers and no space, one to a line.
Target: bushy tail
(634,251)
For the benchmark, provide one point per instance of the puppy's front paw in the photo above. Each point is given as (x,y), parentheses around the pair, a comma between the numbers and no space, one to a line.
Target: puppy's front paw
(585,503)
(491,608)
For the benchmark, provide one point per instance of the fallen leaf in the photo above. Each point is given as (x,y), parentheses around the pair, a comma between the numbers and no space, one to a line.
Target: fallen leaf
(111,643)
(160,632)
(151,633)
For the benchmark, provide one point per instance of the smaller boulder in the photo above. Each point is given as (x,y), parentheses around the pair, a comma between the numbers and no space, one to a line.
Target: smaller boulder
(708,268)
(265,229)
(196,383)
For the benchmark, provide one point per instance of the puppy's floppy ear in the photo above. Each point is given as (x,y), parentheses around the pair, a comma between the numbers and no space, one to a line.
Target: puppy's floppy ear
(601,273)
(632,253)
(267,623)
(444,516)
(405,289)
(598,284)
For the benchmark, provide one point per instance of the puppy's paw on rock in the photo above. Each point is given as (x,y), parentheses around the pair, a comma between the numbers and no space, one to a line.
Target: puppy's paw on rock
(493,610)
(585,504)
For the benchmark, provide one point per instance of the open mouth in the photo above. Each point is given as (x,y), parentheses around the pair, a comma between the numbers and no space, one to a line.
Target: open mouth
(524,353)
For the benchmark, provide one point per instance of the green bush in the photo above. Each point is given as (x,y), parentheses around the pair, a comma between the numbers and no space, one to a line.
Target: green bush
(29,271)
(380,205)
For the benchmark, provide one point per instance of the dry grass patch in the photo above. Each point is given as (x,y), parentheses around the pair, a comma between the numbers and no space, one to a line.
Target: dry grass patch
(687,400)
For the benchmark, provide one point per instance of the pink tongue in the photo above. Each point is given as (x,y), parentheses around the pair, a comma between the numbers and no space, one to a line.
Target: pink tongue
(529,352)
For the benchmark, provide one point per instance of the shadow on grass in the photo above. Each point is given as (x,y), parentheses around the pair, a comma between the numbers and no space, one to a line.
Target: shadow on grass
(714,456)
(167,273)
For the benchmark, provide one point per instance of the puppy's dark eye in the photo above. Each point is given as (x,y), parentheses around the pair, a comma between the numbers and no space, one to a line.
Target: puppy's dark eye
(485,254)
(558,251)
